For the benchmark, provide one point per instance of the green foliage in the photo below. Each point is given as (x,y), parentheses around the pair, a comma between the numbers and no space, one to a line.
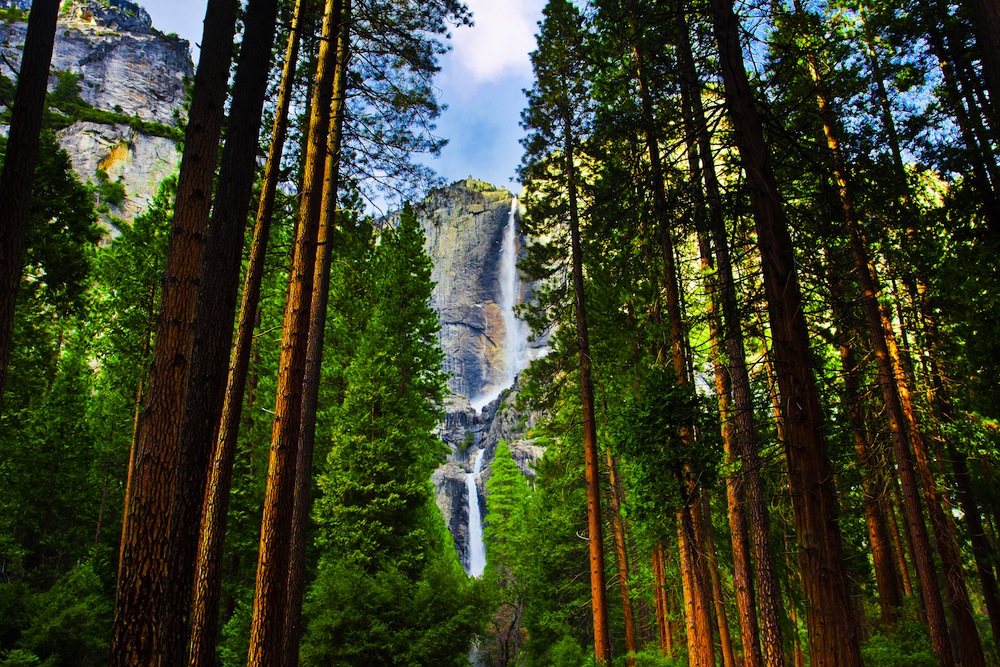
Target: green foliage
(70,624)
(906,645)
(112,193)
(384,447)
(567,652)
(389,589)
(391,617)
(72,108)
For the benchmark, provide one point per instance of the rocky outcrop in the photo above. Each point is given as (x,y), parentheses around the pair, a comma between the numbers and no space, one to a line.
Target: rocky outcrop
(464,227)
(134,74)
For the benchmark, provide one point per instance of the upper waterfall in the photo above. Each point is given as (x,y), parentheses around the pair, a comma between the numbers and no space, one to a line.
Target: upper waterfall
(516,333)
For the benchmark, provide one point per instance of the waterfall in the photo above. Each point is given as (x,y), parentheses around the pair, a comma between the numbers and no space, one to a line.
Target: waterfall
(516,332)
(515,348)
(477,550)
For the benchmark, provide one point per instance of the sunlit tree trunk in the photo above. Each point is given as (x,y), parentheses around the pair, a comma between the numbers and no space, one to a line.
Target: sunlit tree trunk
(833,632)
(142,572)
(595,531)
(267,624)
(205,605)
(694,580)
(314,352)
(621,551)
(712,563)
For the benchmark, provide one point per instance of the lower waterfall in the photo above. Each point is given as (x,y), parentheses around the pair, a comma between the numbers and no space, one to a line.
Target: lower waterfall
(477,550)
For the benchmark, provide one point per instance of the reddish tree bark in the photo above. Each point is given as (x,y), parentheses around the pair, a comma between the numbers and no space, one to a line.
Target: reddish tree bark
(621,551)
(213,327)
(833,632)
(142,571)
(205,606)
(595,530)
(267,624)
(314,351)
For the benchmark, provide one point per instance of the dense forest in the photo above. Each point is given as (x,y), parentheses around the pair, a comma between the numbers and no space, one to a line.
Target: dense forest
(764,241)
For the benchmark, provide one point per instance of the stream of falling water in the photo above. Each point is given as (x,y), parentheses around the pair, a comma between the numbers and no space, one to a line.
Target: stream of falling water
(515,359)
(516,331)
(477,550)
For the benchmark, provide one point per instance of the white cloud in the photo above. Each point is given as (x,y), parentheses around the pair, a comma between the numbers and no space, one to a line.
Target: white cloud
(499,44)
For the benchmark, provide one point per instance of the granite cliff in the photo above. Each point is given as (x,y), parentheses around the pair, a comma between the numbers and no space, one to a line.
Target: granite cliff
(132,83)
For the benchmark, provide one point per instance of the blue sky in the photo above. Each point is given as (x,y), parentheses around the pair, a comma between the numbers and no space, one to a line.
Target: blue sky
(481,81)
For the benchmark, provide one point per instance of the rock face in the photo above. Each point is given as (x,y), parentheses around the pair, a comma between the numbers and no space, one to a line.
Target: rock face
(125,67)
(464,225)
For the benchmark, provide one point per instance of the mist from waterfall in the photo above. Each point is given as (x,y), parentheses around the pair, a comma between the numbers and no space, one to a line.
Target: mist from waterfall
(477,549)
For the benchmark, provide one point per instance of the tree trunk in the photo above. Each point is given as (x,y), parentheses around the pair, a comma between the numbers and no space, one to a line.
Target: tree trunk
(987,14)
(833,632)
(314,351)
(267,624)
(940,401)
(595,532)
(699,643)
(880,331)
(977,155)
(698,620)
(205,606)
(738,378)
(874,485)
(213,327)
(621,551)
(19,165)
(142,572)
(703,525)
(662,607)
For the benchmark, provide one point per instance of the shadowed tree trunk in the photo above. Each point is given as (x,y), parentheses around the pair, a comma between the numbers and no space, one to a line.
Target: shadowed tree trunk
(142,572)
(833,632)
(19,165)
(204,615)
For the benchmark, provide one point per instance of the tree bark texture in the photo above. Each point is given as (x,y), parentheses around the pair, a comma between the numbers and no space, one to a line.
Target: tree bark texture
(737,377)
(205,606)
(213,326)
(267,624)
(595,530)
(314,347)
(694,580)
(621,551)
(142,571)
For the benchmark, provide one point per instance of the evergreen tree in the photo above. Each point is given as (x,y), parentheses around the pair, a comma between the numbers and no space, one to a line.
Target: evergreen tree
(389,589)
